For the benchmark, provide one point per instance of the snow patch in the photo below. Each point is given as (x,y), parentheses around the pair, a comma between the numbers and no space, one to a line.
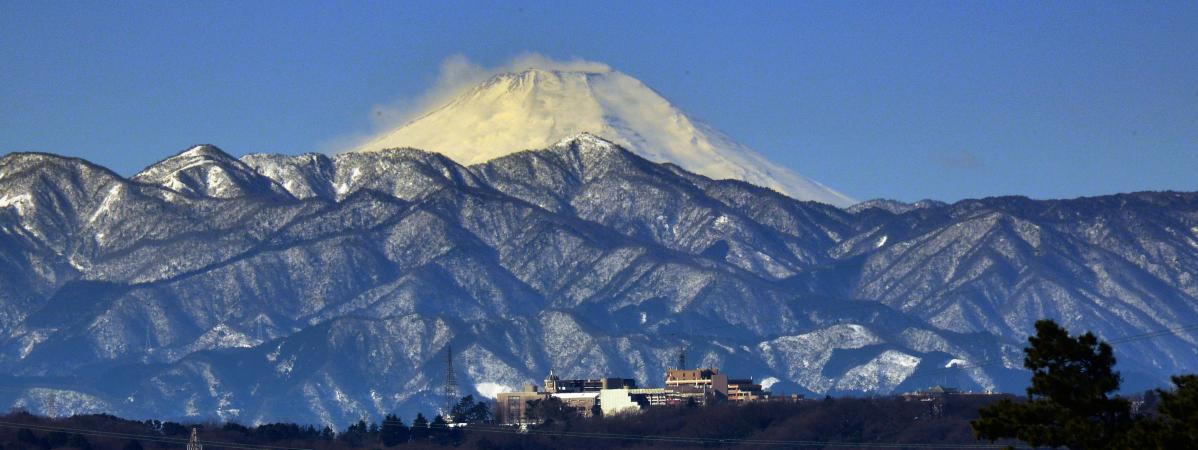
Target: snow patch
(20,202)
(491,390)
(105,206)
(59,402)
(768,381)
(31,340)
(284,368)
(883,373)
(955,362)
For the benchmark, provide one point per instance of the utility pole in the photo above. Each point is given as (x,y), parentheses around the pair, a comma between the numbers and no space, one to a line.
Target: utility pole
(450,390)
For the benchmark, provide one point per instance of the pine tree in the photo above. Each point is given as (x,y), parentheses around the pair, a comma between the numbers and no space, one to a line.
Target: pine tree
(479,413)
(393,432)
(469,411)
(441,431)
(1069,402)
(355,433)
(549,410)
(1176,425)
(420,431)
(458,413)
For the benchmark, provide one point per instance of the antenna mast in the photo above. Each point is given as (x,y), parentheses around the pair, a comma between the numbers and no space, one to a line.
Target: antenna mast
(194,442)
(450,390)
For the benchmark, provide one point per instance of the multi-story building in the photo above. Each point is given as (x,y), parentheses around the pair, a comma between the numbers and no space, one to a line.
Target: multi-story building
(581,395)
(556,385)
(709,378)
(745,390)
(621,401)
(698,387)
(730,389)
(512,407)
(582,403)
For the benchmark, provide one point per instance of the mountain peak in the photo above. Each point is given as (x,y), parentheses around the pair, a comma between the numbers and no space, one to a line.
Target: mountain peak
(204,150)
(207,171)
(537,108)
(585,138)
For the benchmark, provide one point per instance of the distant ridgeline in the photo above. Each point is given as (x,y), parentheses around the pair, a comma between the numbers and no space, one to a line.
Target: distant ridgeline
(321,290)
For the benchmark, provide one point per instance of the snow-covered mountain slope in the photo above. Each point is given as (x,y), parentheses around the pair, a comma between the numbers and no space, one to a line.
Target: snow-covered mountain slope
(322,289)
(206,171)
(536,108)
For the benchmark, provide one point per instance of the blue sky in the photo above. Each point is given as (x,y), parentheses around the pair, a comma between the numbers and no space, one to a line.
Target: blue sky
(905,100)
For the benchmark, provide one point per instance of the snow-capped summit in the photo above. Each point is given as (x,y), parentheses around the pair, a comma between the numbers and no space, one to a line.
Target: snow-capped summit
(537,108)
(207,171)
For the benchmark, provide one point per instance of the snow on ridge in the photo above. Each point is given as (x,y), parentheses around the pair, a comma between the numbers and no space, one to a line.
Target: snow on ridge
(883,373)
(60,402)
(17,201)
(105,205)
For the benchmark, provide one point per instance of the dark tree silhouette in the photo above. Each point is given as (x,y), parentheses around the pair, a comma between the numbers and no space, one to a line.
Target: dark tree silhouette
(441,433)
(356,434)
(420,431)
(79,442)
(469,411)
(548,410)
(393,431)
(1069,402)
(175,429)
(1176,425)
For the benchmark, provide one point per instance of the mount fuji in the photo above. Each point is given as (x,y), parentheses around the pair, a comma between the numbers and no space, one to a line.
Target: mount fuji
(533,109)
(323,289)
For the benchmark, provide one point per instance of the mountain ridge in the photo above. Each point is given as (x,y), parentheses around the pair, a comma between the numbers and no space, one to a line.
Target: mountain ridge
(342,292)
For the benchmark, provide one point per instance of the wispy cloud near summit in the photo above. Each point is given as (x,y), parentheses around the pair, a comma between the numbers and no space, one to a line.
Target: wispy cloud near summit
(457,74)
(473,116)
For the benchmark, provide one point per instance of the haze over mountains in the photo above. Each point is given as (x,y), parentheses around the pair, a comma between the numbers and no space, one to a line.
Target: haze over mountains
(320,289)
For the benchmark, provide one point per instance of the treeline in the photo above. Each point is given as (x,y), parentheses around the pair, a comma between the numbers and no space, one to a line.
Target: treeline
(22,430)
(841,420)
